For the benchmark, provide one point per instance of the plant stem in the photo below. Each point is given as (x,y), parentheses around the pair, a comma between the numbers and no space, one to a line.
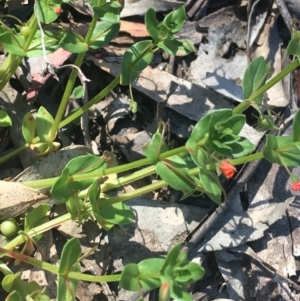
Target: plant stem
(93,101)
(12,61)
(13,153)
(135,176)
(119,198)
(99,96)
(247,159)
(5,269)
(114,184)
(274,80)
(65,99)
(92,278)
(40,229)
(68,91)
(54,270)
(99,173)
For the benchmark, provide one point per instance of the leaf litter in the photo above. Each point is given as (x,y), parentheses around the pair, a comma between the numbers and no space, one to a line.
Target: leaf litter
(262,222)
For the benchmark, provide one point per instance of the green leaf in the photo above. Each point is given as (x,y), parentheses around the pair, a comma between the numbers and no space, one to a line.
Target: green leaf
(41,147)
(282,149)
(229,139)
(110,215)
(184,275)
(156,147)
(235,123)
(70,254)
(130,278)
(254,78)
(103,223)
(96,2)
(188,45)
(135,59)
(36,217)
(73,42)
(152,24)
(51,43)
(44,124)
(164,290)
(179,292)
(12,43)
(15,296)
(175,19)
(46,10)
(176,266)
(171,259)
(164,32)
(182,257)
(103,33)
(94,192)
(242,148)
(293,48)
(64,186)
(117,214)
(176,47)
(211,185)
(295,34)
(5,120)
(150,266)
(13,282)
(29,127)
(237,149)
(74,206)
(266,123)
(78,92)
(196,270)
(60,190)
(109,12)
(82,165)
(206,125)
(174,171)
(199,156)
(66,288)
(296,127)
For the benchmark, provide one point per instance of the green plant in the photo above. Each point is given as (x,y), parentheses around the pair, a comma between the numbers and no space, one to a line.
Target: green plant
(215,147)
(5,120)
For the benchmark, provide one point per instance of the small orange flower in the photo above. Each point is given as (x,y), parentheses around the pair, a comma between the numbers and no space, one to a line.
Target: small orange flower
(227,169)
(296,186)
(58,10)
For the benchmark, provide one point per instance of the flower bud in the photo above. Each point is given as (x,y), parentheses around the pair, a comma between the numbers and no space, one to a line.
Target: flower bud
(58,10)
(295,186)
(227,169)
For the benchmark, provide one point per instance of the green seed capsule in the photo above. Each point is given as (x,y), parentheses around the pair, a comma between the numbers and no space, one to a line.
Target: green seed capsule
(9,228)
(25,31)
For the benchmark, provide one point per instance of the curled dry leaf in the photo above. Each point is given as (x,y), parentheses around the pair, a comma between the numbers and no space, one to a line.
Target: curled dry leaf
(16,198)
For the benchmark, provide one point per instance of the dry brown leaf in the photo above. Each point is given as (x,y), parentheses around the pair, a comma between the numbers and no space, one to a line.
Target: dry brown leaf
(15,198)
(137,30)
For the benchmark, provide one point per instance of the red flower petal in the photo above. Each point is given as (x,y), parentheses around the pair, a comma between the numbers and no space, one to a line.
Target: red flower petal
(296,186)
(227,169)
(58,10)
